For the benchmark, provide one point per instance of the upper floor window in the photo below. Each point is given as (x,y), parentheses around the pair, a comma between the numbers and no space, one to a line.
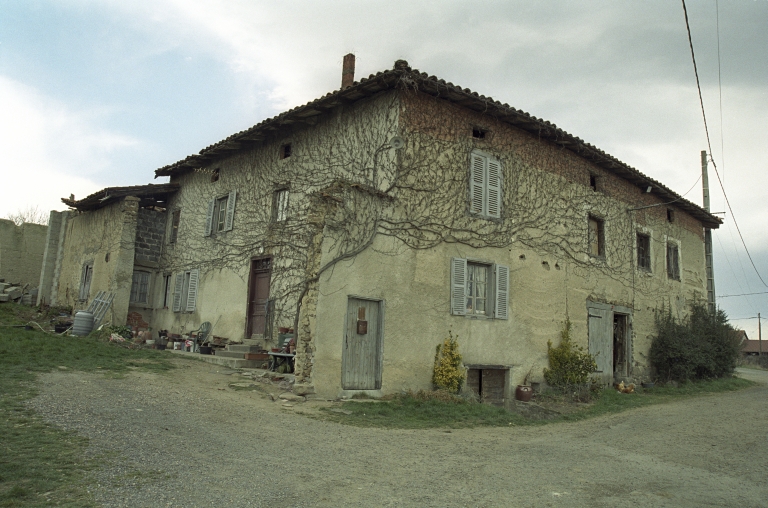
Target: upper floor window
(484,186)
(215,175)
(670,215)
(175,218)
(221,212)
(644,252)
(673,260)
(596,237)
(286,151)
(280,205)
(593,182)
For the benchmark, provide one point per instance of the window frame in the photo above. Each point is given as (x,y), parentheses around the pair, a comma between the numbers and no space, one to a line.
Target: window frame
(643,254)
(674,270)
(600,222)
(216,206)
(85,281)
(175,220)
(486,183)
(220,213)
(496,291)
(280,206)
(137,286)
(185,291)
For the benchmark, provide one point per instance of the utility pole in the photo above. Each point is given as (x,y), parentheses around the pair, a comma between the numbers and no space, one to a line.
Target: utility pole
(759,337)
(708,239)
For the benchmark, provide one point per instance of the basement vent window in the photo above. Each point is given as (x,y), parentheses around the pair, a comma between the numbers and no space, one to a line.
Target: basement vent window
(479,133)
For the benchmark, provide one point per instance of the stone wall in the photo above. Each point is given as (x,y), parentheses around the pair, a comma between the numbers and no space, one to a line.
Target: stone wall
(150,231)
(21,252)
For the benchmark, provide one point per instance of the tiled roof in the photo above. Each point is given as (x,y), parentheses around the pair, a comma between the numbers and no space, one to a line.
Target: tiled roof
(753,346)
(151,194)
(403,75)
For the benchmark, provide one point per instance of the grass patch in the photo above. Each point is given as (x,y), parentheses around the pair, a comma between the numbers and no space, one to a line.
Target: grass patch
(40,464)
(427,410)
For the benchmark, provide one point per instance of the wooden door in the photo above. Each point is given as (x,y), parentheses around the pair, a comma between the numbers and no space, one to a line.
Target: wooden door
(361,357)
(258,296)
(601,341)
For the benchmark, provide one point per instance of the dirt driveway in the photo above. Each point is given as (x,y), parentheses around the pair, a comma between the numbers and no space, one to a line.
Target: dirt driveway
(185,439)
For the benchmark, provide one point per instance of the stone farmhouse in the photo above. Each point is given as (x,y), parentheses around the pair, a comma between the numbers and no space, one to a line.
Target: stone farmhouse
(379,218)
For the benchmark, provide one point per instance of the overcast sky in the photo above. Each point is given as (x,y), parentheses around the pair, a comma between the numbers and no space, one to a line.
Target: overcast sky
(101,93)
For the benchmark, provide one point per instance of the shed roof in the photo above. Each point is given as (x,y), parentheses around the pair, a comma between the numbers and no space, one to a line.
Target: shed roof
(403,75)
(150,195)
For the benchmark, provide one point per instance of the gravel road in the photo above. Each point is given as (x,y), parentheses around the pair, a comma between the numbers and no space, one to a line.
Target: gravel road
(186,439)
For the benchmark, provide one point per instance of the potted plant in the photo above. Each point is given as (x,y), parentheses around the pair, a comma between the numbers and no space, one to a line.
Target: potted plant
(524,391)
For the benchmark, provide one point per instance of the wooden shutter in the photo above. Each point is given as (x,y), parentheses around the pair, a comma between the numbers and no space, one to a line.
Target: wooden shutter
(502,292)
(192,294)
(494,189)
(209,217)
(178,285)
(476,184)
(228,220)
(458,286)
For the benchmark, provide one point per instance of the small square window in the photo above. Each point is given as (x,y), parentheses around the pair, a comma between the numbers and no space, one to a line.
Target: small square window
(280,205)
(596,238)
(673,261)
(479,133)
(215,175)
(644,252)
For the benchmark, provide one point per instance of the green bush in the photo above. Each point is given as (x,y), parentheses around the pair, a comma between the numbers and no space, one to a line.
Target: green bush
(449,372)
(569,364)
(701,346)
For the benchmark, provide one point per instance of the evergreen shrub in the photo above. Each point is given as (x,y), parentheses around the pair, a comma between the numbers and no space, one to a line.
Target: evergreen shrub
(449,373)
(569,364)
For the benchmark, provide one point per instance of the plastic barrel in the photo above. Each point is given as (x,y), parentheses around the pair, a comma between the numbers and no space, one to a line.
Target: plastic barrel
(83,323)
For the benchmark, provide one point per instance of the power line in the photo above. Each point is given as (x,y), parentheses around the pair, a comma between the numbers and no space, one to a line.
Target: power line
(744,294)
(709,145)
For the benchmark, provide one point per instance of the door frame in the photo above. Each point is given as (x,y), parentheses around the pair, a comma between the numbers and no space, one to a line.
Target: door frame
(613,310)
(248,291)
(380,330)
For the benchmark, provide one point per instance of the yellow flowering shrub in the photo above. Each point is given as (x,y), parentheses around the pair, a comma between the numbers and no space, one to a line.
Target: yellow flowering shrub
(449,372)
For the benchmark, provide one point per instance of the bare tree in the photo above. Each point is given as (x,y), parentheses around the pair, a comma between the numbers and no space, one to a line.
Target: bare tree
(31,214)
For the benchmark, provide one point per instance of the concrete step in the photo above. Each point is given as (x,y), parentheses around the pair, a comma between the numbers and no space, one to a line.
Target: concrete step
(232,363)
(243,348)
(229,354)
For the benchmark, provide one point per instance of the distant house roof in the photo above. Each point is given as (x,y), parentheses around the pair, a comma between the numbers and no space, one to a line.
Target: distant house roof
(753,346)
(402,75)
(150,195)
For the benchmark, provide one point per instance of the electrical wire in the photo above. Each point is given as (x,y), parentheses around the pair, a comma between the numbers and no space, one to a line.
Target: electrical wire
(745,294)
(709,146)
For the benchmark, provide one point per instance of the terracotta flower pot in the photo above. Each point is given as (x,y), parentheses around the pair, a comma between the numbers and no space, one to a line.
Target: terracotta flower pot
(523,393)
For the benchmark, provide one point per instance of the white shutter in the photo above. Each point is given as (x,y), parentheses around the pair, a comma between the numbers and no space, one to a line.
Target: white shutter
(458,286)
(229,219)
(209,217)
(494,189)
(476,184)
(502,292)
(177,292)
(192,295)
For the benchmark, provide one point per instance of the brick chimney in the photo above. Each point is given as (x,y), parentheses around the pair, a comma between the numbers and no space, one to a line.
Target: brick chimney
(348,71)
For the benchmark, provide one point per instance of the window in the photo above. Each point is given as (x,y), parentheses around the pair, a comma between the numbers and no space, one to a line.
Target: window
(478,133)
(479,289)
(215,174)
(484,186)
(593,182)
(167,291)
(670,215)
(175,225)
(185,291)
(644,252)
(221,214)
(596,237)
(285,151)
(280,205)
(85,281)
(140,287)
(673,261)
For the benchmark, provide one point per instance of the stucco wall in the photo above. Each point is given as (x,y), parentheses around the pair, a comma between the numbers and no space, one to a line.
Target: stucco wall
(104,238)
(21,252)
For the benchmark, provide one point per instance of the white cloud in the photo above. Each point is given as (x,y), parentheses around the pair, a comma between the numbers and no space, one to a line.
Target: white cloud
(49,151)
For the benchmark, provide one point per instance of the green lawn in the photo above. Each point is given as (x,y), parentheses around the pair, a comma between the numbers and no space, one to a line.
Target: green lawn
(39,464)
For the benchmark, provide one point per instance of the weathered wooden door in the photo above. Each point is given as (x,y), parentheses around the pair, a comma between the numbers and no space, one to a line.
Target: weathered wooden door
(258,296)
(361,357)
(601,341)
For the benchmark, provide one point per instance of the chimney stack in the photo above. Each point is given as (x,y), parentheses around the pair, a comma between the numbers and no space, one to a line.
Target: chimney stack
(348,71)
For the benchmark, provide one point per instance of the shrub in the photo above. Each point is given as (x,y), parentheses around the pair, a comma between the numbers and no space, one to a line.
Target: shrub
(569,364)
(701,346)
(449,373)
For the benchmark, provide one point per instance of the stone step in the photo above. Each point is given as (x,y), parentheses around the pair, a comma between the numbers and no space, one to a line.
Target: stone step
(232,363)
(243,348)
